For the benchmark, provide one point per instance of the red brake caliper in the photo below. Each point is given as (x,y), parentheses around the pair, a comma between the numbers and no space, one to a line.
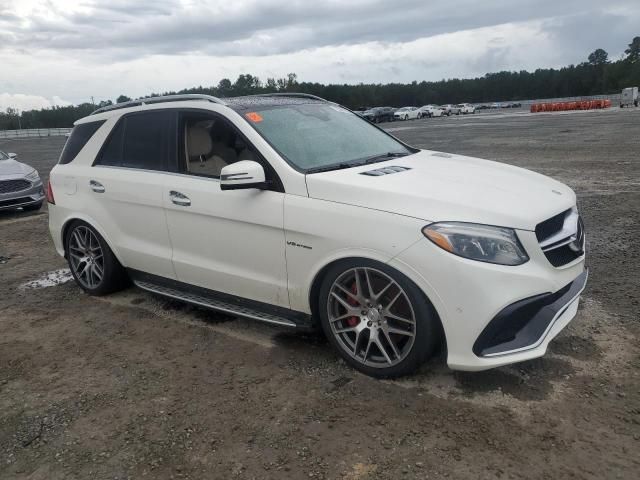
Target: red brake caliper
(353,321)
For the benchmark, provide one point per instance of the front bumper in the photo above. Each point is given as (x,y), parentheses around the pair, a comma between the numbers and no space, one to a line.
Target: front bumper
(468,295)
(524,325)
(22,198)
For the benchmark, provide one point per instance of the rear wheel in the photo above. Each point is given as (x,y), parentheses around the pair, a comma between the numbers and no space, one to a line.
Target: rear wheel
(92,263)
(376,318)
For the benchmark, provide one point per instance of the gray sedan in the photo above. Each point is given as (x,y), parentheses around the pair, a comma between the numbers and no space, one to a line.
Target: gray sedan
(20,184)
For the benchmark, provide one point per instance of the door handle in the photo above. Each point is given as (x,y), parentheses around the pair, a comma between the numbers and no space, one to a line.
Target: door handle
(179,199)
(96,186)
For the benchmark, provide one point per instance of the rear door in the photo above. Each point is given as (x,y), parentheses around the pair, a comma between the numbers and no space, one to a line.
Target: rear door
(125,187)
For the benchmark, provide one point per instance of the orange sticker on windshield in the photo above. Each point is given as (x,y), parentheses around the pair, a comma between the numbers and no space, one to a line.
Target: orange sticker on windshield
(254,117)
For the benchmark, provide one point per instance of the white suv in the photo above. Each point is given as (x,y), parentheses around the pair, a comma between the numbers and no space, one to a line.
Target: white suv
(467,108)
(292,210)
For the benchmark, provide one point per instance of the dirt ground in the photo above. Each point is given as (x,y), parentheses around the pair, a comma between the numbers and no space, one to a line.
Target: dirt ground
(133,385)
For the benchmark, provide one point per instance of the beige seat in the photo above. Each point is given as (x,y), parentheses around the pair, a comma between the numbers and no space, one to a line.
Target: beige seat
(205,157)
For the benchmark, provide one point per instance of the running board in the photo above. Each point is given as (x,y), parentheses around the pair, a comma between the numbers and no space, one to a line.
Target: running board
(216,304)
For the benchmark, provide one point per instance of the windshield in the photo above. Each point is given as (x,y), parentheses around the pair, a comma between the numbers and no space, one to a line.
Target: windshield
(321,136)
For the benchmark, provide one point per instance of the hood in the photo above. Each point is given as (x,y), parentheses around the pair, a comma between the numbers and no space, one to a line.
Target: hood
(444,187)
(12,168)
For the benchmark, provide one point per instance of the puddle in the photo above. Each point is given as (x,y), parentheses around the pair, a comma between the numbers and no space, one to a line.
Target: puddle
(50,279)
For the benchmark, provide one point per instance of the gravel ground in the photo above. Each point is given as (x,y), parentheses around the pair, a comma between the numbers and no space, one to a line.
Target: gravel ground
(132,385)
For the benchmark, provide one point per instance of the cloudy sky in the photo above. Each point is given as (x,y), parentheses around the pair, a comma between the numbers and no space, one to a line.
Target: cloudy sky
(65,51)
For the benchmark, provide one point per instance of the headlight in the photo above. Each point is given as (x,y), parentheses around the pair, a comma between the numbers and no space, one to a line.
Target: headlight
(478,242)
(33,176)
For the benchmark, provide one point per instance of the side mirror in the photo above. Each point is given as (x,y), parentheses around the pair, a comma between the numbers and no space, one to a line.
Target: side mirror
(12,155)
(242,175)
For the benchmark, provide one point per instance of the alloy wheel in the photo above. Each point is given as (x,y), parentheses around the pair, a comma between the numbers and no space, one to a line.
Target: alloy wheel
(371,317)
(86,257)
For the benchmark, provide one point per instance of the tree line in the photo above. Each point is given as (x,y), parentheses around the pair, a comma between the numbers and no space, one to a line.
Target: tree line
(597,75)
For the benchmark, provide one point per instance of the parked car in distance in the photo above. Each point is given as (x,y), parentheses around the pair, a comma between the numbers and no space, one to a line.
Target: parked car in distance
(511,105)
(430,111)
(450,109)
(466,108)
(406,113)
(379,114)
(291,210)
(20,184)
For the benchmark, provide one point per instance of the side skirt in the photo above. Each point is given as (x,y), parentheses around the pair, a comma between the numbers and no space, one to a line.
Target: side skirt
(222,302)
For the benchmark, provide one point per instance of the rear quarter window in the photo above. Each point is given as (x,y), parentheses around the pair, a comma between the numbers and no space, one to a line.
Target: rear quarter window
(79,137)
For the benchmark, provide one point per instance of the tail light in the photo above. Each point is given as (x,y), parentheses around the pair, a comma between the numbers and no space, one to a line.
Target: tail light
(50,198)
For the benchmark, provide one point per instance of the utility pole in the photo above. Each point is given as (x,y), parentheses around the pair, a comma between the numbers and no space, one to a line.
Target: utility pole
(92,102)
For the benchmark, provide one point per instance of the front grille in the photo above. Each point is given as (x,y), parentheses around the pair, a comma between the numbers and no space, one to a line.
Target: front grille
(561,256)
(561,237)
(549,227)
(10,186)
(15,201)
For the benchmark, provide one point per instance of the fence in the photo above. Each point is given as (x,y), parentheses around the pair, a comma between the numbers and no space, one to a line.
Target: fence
(33,133)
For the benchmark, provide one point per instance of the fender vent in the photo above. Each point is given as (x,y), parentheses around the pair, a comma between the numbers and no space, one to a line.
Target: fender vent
(384,171)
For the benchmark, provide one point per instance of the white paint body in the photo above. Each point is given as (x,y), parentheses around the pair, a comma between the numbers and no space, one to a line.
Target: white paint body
(432,110)
(629,97)
(247,242)
(407,113)
(466,108)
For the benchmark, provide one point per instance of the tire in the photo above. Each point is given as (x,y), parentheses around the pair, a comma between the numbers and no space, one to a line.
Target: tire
(361,338)
(406,117)
(33,207)
(93,265)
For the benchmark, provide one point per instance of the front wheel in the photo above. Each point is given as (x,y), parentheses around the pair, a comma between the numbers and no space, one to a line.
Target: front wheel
(93,265)
(376,318)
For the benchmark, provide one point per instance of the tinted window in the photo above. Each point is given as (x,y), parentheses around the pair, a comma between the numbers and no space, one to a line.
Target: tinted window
(112,150)
(79,137)
(142,140)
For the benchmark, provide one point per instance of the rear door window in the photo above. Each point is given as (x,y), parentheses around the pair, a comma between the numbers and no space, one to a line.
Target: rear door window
(143,140)
(79,137)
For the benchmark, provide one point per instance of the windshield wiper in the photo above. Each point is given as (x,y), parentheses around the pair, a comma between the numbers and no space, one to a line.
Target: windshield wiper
(327,168)
(383,157)
(357,163)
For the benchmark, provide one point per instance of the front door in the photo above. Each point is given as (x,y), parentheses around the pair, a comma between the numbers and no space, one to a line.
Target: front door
(227,241)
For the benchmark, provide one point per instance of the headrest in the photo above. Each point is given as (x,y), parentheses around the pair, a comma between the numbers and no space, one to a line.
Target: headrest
(198,141)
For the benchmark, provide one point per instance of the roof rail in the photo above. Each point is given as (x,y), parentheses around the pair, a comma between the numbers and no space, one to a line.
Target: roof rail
(293,94)
(161,99)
